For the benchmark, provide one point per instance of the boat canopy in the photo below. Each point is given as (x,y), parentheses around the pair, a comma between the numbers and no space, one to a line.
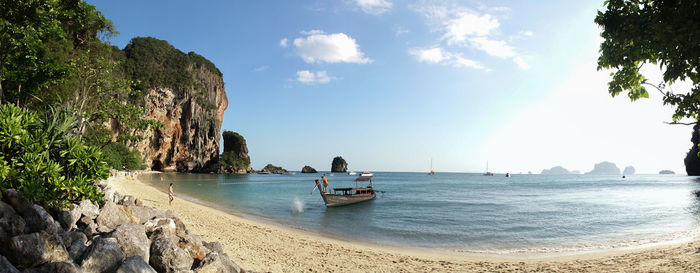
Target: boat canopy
(363,178)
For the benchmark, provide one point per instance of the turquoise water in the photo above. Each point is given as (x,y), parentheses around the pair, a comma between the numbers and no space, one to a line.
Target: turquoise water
(467,212)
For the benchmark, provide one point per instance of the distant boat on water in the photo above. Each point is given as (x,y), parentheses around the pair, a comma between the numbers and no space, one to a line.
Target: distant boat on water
(487,170)
(352,173)
(366,174)
(431,167)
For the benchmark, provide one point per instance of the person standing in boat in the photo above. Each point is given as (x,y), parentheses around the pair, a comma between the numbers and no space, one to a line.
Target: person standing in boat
(325,183)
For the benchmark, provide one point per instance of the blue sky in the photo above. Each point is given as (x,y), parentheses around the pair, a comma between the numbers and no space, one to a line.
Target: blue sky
(390,84)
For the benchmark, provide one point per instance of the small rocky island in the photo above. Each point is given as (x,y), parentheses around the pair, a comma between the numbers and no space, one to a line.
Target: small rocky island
(629,170)
(605,168)
(308,169)
(274,169)
(235,157)
(667,172)
(558,170)
(339,165)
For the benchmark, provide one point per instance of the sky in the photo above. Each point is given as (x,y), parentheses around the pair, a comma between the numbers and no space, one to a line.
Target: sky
(389,85)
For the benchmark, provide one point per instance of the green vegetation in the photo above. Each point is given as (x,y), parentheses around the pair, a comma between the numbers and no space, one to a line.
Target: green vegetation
(232,159)
(41,157)
(118,157)
(155,63)
(274,169)
(663,33)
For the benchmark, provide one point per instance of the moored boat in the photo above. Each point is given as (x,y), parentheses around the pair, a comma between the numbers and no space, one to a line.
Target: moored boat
(348,196)
(367,174)
(352,173)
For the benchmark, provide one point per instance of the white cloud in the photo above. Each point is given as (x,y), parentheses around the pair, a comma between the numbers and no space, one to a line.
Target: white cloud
(520,62)
(375,7)
(468,24)
(260,68)
(474,29)
(318,47)
(493,47)
(309,77)
(437,55)
(283,42)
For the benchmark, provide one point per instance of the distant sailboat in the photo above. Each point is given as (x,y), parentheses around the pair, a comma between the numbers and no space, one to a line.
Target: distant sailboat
(487,170)
(431,167)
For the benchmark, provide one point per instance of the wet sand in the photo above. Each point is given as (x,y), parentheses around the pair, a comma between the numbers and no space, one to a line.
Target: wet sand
(260,246)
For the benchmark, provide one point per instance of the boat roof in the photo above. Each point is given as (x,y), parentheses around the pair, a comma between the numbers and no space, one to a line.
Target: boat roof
(363,178)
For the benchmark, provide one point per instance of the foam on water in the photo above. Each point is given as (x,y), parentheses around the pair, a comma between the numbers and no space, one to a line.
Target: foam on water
(297,205)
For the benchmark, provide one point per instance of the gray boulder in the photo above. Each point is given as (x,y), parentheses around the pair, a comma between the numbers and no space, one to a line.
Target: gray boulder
(15,199)
(102,256)
(166,256)
(127,200)
(217,263)
(109,195)
(54,267)
(4,241)
(214,247)
(193,245)
(112,215)
(90,230)
(76,244)
(135,264)
(132,240)
(145,213)
(10,221)
(89,209)
(68,218)
(38,219)
(102,183)
(30,250)
(153,224)
(6,266)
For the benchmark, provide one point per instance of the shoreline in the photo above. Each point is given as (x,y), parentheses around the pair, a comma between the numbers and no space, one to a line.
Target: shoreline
(260,244)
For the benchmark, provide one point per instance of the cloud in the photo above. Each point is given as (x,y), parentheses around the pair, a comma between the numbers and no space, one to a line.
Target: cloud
(468,24)
(318,47)
(283,42)
(374,7)
(309,77)
(437,55)
(474,29)
(260,68)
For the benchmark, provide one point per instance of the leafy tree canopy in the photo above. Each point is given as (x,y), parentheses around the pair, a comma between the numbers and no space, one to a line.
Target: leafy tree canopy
(664,33)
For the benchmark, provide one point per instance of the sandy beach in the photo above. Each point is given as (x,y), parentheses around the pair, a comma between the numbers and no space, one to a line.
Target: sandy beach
(265,247)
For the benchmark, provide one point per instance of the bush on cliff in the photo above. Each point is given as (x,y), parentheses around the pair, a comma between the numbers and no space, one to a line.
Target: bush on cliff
(231,159)
(42,158)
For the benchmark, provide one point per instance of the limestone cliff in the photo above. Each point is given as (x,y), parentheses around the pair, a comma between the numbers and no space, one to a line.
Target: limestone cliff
(339,165)
(235,158)
(186,93)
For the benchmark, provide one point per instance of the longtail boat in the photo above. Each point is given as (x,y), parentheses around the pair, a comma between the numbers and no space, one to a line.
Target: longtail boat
(347,196)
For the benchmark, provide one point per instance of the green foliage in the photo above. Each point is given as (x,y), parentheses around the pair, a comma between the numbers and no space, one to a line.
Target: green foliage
(118,157)
(663,33)
(97,135)
(231,159)
(274,169)
(156,63)
(42,158)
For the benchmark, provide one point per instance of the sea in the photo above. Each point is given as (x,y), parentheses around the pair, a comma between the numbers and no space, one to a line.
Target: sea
(465,212)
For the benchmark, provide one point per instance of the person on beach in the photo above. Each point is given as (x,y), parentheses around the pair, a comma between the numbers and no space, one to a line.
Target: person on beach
(325,183)
(171,194)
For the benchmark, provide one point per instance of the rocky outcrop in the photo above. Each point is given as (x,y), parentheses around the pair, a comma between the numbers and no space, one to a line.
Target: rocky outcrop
(629,170)
(190,103)
(102,240)
(235,157)
(339,165)
(274,169)
(605,168)
(692,159)
(667,172)
(308,169)
(558,170)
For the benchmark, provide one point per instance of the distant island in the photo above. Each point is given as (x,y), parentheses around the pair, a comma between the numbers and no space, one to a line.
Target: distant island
(606,168)
(339,165)
(629,170)
(556,170)
(667,172)
(308,169)
(274,169)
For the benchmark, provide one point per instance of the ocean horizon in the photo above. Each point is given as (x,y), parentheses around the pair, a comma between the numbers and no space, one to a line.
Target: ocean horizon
(465,212)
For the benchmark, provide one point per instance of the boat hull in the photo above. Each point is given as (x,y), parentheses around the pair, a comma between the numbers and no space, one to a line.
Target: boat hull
(337,200)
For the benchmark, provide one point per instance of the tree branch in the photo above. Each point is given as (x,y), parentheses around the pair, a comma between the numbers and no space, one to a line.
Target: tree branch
(657,88)
(680,123)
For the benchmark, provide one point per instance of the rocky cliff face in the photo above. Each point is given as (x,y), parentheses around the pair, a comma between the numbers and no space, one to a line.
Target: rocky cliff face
(192,117)
(339,165)
(692,161)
